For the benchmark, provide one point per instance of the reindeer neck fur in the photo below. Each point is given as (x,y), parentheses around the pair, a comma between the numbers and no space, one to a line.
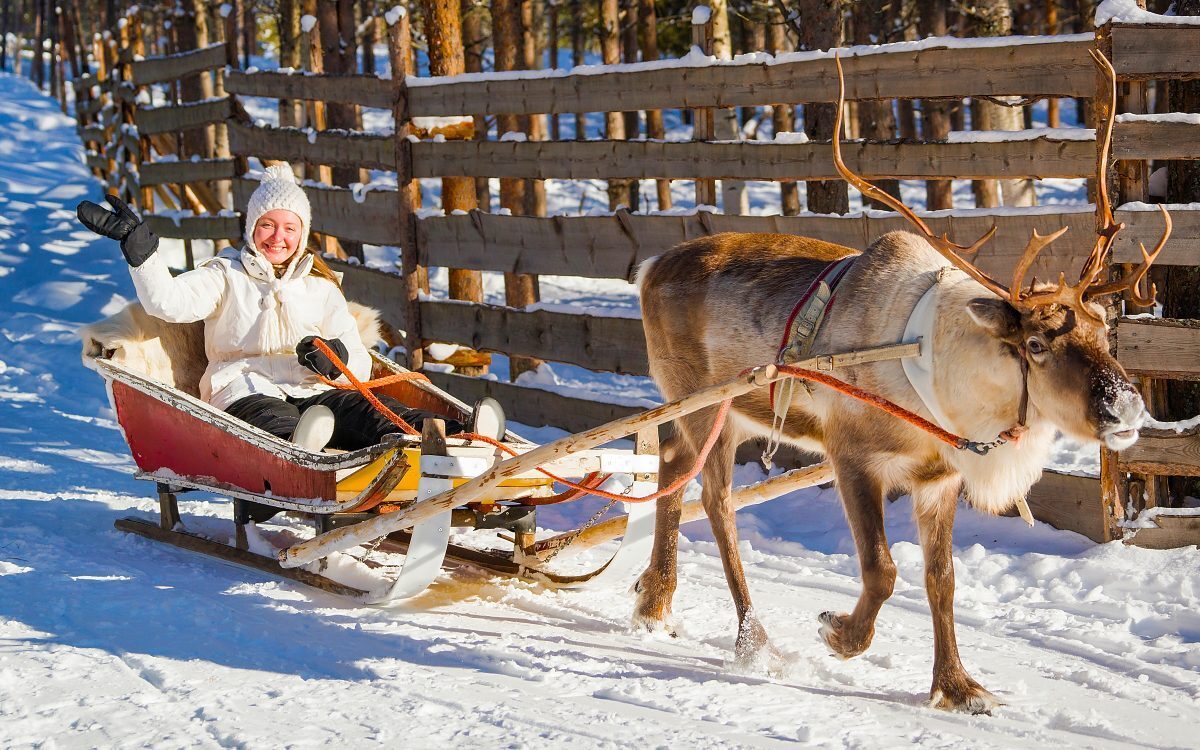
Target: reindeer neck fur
(978,384)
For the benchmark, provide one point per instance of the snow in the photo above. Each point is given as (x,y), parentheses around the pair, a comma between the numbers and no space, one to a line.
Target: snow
(701,15)
(1128,12)
(394,14)
(1187,118)
(114,641)
(308,23)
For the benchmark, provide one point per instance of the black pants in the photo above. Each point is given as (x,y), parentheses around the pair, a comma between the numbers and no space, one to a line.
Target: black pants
(357,423)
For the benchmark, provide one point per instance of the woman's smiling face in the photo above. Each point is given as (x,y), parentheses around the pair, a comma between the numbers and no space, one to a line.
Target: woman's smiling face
(277,235)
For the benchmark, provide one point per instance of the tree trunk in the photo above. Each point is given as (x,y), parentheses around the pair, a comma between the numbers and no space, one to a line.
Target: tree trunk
(249,31)
(725,120)
(935,115)
(4,20)
(475,41)
(629,54)
(192,28)
(822,29)
(336,21)
(368,25)
(991,18)
(291,111)
(37,71)
(655,129)
(577,51)
(511,52)
(783,116)
(1182,296)
(614,123)
(876,120)
(443,34)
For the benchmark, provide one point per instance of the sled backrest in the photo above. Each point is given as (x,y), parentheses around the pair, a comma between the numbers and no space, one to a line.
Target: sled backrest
(172,353)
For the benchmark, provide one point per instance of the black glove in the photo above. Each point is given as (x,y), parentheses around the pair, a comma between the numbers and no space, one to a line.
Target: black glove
(137,241)
(314,359)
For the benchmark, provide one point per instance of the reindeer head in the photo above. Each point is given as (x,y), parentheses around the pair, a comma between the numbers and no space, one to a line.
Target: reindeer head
(1056,331)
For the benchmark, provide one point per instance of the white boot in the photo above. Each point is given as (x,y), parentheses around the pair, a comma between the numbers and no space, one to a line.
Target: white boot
(314,429)
(487,418)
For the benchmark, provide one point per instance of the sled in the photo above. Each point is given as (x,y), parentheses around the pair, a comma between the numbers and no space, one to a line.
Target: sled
(405,495)
(182,444)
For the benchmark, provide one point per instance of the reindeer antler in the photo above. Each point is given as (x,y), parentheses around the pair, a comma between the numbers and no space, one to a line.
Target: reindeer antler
(1019,296)
(942,244)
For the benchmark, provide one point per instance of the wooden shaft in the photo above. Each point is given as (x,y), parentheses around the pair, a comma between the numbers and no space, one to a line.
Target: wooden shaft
(742,497)
(415,512)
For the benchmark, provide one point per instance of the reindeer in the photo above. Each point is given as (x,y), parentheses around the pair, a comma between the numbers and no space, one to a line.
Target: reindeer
(1034,358)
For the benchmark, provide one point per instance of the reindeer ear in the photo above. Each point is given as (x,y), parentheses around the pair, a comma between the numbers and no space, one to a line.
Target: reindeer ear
(995,316)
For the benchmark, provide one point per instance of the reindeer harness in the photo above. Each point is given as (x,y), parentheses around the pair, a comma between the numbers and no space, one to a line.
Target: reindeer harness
(801,331)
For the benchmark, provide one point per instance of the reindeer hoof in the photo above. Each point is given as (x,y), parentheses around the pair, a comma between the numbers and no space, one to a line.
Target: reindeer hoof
(837,637)
(652,611)
(754,653)
(963,695)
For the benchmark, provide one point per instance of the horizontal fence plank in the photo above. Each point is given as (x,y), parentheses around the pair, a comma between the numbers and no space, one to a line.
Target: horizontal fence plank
(599,343)
(96,161)
(1151,139)
(1060,68)
(366,91)
(176,117)
(1182,249)
(613,246)
(174,67)
(373,217)
(373,288)
(84,81)
(1069,502)
(1156,455)
(177,172)
(334,147)
(1156,51)
(533,406)
(93,134)
(1040,157)
(1160,347)
(196,227)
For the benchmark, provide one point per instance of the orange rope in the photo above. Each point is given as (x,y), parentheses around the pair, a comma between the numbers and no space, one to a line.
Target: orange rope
(365,388)
(877,401)
(589,486)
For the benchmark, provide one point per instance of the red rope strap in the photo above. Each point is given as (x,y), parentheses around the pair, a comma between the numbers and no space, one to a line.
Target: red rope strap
(877,401)
(365,388)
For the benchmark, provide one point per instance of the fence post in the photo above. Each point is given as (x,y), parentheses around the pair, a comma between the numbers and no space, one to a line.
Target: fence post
(1112,481)
(408,188)
(702,119)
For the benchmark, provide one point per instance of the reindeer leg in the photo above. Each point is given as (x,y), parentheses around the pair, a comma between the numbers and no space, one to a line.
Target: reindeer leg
(849,635)
(656,587)
(953,689)
(752,649)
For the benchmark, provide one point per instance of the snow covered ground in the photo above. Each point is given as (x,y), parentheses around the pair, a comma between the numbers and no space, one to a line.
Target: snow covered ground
(112,641)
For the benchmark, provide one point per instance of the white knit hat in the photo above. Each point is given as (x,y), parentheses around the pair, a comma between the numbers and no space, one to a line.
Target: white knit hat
(278,189)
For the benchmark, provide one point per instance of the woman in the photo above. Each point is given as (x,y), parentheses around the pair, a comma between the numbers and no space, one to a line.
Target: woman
(263,308)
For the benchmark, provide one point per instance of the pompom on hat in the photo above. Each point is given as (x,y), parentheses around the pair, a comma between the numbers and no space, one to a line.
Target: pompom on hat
(278,189)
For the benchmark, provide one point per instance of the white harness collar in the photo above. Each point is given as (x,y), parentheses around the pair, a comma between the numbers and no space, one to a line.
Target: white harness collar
(919,369)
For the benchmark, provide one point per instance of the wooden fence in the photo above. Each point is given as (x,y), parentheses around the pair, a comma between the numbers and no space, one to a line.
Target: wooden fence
(611,246)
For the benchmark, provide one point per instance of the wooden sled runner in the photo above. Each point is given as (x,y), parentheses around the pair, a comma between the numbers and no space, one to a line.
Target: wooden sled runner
(405,495)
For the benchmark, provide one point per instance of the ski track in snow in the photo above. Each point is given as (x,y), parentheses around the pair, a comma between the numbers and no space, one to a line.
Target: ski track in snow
(111,640)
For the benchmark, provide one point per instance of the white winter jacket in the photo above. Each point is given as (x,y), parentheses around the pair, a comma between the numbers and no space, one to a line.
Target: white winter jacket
(253,321)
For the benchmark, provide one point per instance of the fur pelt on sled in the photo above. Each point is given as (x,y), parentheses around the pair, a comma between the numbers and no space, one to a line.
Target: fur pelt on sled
(173,353)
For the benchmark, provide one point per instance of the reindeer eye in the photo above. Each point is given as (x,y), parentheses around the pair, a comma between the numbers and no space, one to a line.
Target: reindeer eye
(1035,346)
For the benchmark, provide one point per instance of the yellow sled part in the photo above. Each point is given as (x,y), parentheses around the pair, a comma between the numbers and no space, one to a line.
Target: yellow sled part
(357,481)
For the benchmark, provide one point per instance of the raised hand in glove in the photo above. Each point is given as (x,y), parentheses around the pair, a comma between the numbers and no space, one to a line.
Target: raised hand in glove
(137,241)
(314,359)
